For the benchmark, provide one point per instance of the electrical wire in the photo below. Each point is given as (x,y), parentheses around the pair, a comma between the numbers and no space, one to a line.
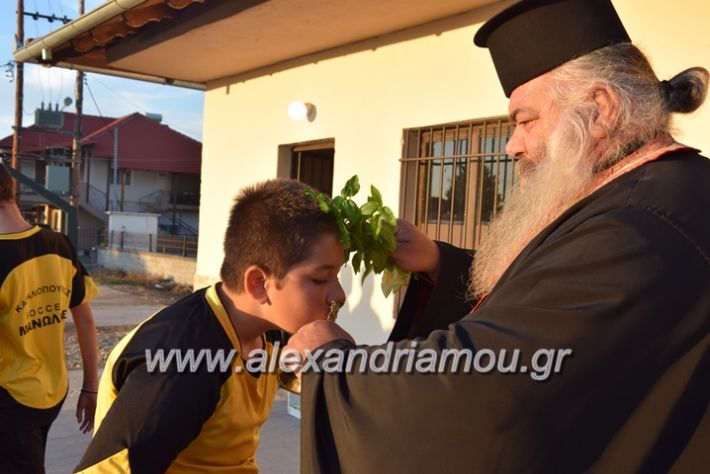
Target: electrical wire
(88,87)
(138,107)
(61,7)
(39,73)
(131,103)
(50,71)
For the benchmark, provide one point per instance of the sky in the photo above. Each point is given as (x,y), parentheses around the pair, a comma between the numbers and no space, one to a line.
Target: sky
(112,97)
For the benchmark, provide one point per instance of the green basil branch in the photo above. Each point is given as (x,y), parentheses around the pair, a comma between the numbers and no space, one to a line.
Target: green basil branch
(367,233)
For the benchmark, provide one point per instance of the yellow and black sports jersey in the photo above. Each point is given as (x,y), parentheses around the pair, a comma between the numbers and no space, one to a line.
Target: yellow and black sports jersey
(41,278)
(175,417)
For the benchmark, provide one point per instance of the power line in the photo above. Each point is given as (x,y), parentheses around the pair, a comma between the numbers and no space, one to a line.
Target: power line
(138,107)
(60,93)
(50,86)
(88,87)
(61,8)
(50,18)
(36,16)
(39,73)
(9,70)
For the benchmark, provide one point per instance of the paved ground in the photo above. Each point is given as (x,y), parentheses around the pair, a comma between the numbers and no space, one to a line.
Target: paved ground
(119,305)
(278,452)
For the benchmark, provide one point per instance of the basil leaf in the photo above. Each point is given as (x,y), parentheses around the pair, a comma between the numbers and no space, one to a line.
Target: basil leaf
(366,232)
(376,195)
(352,187)
(368,208)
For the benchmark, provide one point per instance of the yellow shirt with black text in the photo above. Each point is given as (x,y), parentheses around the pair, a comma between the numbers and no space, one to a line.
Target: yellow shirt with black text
(41,278)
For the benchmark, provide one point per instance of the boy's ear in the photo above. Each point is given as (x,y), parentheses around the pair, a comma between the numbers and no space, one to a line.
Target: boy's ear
(255,279)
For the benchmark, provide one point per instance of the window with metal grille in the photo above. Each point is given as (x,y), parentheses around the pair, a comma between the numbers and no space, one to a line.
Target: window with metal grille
(455,178)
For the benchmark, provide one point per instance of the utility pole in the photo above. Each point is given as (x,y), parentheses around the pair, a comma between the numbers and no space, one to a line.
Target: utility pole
(19,78)
(76,143)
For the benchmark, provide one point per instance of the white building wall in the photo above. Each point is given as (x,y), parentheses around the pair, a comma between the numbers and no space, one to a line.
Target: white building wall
(134,222)
(367,95)
(132,230)
(143,184)
(97,173)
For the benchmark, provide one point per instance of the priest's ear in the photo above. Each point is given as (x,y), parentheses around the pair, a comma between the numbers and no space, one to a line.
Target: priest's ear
(608,104)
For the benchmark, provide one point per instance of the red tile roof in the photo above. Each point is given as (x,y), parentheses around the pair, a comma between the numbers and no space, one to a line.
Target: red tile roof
(143,144)
(35,139)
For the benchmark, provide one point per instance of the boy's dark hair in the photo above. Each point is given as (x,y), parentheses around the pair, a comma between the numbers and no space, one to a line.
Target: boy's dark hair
(273,224)
(7,185)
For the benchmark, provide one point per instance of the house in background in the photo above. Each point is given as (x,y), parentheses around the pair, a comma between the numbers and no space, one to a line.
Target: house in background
(137,164)
(391,90)
(132,163)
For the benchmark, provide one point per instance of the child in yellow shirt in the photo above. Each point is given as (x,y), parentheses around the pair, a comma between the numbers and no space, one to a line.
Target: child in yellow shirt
(178,393)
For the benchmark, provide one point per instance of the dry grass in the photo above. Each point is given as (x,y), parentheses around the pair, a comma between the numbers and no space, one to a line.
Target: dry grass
(106,339)
(122,277)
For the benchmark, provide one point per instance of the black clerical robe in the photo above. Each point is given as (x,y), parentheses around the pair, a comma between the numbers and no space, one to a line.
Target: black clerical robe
(622,279)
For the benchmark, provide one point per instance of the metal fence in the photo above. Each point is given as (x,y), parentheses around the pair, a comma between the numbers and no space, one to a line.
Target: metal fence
(90,238)
(185,245)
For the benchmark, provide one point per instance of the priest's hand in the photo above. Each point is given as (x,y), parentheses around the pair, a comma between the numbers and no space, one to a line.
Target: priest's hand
(313,335)
(415,251)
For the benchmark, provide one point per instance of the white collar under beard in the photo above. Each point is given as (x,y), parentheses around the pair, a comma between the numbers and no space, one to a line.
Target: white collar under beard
(562,171)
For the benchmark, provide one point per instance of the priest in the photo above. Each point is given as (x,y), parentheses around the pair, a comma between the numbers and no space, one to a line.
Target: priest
(590,295)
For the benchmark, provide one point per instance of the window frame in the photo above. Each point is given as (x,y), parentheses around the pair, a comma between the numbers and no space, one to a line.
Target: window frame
(479,146)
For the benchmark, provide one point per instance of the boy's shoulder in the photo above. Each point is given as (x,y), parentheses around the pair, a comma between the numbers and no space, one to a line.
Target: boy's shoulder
(189,323)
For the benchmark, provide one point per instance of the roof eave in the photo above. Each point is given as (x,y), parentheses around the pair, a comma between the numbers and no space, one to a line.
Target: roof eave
(44,45)
(40,50)
(132,75)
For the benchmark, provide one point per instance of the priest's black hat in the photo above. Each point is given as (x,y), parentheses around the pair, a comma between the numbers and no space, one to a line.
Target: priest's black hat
(532,37)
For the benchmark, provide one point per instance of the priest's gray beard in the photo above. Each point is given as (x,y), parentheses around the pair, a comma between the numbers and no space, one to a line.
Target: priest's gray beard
(550,182)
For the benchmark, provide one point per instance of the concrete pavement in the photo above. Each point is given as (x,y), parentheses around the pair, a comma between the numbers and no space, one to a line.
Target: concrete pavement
(116,307)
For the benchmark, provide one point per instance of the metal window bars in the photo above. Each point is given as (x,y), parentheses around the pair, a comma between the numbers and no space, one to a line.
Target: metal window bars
(455,178)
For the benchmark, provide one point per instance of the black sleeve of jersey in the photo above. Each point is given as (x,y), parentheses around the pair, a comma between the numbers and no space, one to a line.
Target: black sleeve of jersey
(78,285)
(78,290)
